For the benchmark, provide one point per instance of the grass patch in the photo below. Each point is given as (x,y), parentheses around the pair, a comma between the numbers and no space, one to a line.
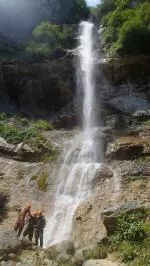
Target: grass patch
(43,125)
(19,129)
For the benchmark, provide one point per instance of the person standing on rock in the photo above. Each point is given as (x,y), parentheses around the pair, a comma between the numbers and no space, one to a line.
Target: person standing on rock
(23,214)
(31,224)
(39,229)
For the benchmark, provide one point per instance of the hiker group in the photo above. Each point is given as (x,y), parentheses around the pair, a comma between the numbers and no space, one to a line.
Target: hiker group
(33,223)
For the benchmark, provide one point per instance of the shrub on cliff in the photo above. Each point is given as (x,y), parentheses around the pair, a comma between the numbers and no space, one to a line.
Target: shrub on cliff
(127,29)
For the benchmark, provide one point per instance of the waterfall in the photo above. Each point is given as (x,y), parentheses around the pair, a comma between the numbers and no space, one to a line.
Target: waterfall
(81,156)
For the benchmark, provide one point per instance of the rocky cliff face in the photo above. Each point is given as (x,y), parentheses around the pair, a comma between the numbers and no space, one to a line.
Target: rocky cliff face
(43,89)
(40,89)
(122,185)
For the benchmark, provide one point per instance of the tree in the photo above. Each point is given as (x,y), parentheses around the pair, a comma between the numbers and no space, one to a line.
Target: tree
(51,40)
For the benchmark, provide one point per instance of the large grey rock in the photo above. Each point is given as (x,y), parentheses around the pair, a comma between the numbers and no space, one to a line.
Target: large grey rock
(100,263)
(88,228)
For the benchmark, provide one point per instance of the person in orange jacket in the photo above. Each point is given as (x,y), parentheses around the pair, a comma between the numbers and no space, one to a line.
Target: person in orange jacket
(23,214)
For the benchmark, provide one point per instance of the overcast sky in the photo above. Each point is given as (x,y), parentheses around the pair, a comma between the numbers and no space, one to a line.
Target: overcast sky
(92,2)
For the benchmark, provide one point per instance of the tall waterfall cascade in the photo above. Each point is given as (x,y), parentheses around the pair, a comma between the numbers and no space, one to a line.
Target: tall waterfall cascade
(81,154)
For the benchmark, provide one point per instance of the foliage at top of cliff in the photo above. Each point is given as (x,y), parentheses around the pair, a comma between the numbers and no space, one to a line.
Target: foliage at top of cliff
(126,26)
(18,19)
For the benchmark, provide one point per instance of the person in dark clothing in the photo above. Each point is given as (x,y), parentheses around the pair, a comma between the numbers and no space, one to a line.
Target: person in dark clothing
(39,229)
(32,220)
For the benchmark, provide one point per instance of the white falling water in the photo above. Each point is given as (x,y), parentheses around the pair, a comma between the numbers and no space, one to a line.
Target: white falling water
(81,153)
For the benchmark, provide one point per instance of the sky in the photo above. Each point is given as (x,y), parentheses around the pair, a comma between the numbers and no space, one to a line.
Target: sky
(92,2)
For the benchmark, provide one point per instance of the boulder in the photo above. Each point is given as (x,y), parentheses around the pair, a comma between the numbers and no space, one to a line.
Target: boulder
(88,228)
(65,246)
(110,223)
(100,263)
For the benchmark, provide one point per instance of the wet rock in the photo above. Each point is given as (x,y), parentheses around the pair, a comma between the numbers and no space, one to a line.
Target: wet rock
(100,263)
(65,246)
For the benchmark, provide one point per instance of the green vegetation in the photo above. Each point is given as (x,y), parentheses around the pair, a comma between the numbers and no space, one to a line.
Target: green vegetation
(126,27)
(51,40)
(54,18)
(98,252)
(20,129)
(132,238)
(42,180)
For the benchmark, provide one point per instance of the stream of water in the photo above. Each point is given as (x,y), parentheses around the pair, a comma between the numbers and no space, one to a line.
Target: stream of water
(82,153)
